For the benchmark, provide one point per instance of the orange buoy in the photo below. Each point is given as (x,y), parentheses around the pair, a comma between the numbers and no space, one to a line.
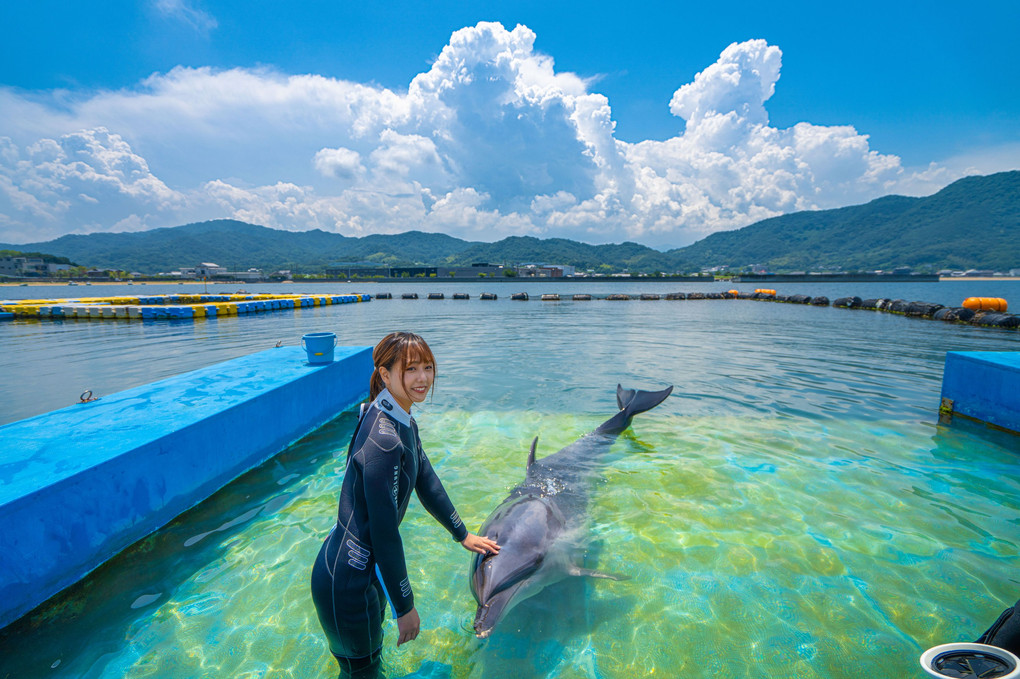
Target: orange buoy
(986,304)
(733,292)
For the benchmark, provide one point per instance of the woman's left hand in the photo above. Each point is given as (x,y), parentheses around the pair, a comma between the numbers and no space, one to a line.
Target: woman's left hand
(479,544)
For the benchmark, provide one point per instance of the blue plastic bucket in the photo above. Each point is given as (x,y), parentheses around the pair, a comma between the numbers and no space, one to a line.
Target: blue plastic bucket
(319,346)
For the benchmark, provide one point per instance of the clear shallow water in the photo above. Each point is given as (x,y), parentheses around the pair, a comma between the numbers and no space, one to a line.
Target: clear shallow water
(793,510)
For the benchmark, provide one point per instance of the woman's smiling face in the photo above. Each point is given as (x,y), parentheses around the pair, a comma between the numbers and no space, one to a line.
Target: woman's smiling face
(411,384)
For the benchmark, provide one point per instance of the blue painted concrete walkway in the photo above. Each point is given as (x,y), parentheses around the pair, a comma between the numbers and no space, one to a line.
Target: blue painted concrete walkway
(80,484)
(984,386)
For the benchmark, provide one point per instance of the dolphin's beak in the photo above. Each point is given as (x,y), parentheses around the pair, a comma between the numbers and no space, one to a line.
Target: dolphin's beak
(492,611)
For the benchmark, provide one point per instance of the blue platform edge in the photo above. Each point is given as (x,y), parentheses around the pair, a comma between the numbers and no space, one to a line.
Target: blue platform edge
(80,484)
(985,386)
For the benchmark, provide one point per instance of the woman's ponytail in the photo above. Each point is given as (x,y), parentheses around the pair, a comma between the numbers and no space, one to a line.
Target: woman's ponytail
(375,385)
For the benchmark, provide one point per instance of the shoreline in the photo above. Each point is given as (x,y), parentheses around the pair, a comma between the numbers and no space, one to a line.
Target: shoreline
(33,284)
(607,279)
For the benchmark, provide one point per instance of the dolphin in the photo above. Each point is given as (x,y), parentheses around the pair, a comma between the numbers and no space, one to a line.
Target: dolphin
(540,525)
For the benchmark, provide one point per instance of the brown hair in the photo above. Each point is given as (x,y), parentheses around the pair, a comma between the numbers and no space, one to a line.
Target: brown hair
(405,347)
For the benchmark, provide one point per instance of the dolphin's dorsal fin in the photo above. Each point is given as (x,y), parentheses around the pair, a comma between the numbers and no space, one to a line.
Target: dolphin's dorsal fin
(531,455)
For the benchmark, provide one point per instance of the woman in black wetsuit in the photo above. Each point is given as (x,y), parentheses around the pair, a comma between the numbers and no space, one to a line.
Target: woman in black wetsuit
(361,564)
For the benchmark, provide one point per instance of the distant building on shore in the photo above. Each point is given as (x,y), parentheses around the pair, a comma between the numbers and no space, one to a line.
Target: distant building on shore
(479,270)
(357,270)
(20,267)
(207,270)
(375,270)
(212,271)
(545,270)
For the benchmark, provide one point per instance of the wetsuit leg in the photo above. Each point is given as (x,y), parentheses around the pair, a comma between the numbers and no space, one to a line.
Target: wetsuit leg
(1005,632)
(369,667)
(350,606)
(361,668)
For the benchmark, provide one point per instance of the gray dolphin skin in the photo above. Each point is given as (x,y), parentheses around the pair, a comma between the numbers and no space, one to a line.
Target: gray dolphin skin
(540,526)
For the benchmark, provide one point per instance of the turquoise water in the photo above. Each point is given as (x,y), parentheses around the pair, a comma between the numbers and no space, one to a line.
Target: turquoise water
(794,510)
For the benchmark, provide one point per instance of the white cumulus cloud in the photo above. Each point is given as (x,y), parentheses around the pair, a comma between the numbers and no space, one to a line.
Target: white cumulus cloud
(740,82)
(341,163)
(490,141)
(92,175)
(730,167)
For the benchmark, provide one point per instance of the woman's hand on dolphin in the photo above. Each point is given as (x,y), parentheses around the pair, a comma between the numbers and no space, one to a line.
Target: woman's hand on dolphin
(479,544)
(408,626)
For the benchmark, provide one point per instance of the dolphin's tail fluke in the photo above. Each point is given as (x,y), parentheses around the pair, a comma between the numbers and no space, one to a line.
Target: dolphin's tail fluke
(631,402)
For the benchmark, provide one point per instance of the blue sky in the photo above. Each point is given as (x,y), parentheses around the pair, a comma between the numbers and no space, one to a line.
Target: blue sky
(582,133)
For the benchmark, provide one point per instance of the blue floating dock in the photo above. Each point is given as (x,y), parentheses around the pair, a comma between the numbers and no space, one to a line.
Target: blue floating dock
(983,386)
(80,484)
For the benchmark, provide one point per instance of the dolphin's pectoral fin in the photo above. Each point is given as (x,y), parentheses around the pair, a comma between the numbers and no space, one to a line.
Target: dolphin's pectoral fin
(589,573)
(531,455)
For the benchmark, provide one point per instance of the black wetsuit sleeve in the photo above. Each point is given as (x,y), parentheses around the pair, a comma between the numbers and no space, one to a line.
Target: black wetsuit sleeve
(381,469)
(434,498)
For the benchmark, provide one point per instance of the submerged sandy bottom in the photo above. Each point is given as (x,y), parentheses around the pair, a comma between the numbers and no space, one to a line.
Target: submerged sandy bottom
(756,547)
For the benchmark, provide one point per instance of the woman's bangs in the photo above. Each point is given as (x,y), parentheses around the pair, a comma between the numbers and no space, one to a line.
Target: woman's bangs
(416,350)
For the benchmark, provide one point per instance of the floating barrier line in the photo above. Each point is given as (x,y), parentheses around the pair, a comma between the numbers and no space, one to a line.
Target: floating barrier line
(989,312)
(927,310)
(167,306)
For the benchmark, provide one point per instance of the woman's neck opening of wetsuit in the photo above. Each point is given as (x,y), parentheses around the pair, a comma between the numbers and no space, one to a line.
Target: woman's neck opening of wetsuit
(410,384)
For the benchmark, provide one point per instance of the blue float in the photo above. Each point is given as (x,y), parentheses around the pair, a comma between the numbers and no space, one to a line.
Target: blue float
(983,386)
(80,484)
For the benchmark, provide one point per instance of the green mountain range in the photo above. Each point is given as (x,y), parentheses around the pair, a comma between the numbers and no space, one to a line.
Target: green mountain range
(972,223)
(239,245)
